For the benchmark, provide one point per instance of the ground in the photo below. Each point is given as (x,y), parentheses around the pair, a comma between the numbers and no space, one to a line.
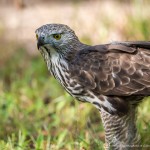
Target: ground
(36,113)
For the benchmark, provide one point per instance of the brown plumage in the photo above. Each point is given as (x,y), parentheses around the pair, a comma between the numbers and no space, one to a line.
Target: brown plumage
(117,70)
(114,77)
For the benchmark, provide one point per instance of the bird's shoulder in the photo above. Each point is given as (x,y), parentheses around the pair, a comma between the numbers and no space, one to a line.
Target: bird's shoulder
(113,47)
(103,52)
(92,55)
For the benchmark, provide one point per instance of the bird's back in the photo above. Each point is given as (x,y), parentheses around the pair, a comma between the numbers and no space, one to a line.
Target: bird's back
(114,71)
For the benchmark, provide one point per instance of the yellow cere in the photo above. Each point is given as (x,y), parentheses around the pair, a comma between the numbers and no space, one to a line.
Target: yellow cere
(57,36)
(36,36)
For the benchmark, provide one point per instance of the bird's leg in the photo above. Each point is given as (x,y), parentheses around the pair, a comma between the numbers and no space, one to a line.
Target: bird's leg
(120,131)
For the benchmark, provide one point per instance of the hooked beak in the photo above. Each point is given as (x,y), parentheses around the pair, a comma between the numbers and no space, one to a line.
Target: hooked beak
(40,42)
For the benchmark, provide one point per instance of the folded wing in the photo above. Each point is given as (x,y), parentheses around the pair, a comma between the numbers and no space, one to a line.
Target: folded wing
(118,69)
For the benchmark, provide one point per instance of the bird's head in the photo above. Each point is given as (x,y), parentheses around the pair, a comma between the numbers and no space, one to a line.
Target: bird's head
(56,37)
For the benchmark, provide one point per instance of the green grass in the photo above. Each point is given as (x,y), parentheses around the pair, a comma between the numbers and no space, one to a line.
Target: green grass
(37,114)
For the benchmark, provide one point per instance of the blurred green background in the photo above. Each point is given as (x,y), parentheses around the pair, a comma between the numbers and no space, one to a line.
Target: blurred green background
(35,112)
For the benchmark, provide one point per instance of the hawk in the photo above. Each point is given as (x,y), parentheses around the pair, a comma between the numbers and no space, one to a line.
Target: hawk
(114,77)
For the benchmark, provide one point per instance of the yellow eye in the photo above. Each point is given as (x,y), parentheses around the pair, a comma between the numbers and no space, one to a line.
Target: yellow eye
(57,36)
(37,37)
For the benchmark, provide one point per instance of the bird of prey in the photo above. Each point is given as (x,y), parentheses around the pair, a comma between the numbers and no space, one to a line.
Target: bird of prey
(114,77)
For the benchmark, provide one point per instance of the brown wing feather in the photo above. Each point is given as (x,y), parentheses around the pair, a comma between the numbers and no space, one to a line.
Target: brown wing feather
(113,67)
(116,69)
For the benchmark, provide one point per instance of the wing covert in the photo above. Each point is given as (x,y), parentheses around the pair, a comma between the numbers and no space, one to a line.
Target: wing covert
(113,69)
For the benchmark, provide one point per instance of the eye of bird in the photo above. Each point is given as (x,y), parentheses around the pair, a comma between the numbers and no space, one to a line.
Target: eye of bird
(57,36)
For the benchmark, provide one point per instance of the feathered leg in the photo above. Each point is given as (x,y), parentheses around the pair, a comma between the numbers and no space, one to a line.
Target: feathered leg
(120,131)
